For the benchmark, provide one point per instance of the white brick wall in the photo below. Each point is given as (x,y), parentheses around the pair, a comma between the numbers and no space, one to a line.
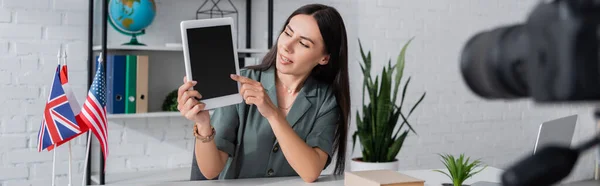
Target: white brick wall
(450,117)
(14,173)
(71,5)
(5,16)
(78,33)
(14,31)
(30,4)
(38,17)
(37,47)
(30,31)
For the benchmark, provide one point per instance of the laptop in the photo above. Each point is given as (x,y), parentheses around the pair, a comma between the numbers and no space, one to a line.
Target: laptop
(556,132)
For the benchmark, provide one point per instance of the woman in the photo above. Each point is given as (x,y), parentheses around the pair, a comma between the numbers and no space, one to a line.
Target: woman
(295,114)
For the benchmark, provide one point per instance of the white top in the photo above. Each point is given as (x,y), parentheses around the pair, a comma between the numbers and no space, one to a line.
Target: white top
(431,178)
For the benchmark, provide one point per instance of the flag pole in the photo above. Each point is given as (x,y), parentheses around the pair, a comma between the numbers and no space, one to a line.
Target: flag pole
(55,145)
(86,159)
(87,149)
(54,165)
(70,159)
(70,151)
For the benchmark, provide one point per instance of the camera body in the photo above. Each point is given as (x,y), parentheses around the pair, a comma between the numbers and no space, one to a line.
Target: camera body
(552,57)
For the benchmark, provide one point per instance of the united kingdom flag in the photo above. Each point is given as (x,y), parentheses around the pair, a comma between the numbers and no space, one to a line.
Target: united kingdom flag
(58,122)
(64,80)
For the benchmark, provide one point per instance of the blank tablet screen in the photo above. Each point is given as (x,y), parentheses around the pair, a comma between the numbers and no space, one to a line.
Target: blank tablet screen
(212,60)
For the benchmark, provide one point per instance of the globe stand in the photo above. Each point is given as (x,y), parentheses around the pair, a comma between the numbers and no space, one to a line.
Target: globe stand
(134,41)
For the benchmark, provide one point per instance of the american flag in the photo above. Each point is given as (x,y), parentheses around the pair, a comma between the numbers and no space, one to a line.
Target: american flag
(94,109)
(58,121)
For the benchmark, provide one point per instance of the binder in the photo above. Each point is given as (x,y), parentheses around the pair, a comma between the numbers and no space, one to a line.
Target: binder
(130,83)
(109,83)
(115,84)
(141,102)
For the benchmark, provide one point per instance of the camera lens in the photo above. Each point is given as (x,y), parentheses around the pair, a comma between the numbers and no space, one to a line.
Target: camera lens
(493,63)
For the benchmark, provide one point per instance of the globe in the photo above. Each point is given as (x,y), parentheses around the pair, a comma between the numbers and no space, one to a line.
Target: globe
(131,17)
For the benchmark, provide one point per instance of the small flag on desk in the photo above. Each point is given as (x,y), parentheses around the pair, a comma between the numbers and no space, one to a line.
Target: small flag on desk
(94,108)
(58,122)
(64,81)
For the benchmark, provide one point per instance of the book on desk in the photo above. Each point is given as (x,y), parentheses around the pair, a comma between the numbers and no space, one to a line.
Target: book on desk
(380,178)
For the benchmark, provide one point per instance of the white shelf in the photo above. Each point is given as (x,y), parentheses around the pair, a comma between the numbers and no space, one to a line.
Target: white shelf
(166,48)
(143,115)
(136,47)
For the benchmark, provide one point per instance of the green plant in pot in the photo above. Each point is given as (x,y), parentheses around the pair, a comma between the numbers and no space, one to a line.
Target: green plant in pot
(170,102)
(459,169)
(377,127)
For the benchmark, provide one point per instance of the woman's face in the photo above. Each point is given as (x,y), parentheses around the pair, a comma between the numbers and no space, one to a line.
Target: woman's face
(300,46)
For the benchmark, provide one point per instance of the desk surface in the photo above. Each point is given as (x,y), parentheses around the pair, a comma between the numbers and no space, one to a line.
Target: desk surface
(431,178)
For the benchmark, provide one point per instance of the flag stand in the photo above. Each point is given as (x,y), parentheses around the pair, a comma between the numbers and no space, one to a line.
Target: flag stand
(60,95)
(55,145)
(54,166)
(86,159)
(70,159)
(77,104)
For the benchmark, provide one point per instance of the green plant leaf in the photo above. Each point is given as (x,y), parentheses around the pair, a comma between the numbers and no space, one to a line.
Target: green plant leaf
(400,62)
(354,140)
(453,170)
(366,70)
(373,116)
(396,146)
(369,61)
(404,92)
(362,52)
(461,168)
(382,114)
(417,104)
(444,160)
(405,122)
(460,174)
(444,173)
(389,132)
(365,138)
(376,128)
(476,172)
(409,113)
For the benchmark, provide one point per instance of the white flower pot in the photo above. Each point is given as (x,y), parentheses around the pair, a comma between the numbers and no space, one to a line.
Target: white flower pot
(357,165)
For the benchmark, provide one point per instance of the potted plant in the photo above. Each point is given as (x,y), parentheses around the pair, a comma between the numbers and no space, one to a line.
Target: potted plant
(376,128)
(459,169)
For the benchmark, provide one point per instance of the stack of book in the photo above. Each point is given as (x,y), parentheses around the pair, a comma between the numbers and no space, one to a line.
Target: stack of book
(126,84)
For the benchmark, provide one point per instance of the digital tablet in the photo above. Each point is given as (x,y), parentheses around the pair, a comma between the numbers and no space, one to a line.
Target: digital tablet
(210,57)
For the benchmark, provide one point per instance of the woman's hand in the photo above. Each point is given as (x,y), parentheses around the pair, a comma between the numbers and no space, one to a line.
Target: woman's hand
(255,94)
(189,106)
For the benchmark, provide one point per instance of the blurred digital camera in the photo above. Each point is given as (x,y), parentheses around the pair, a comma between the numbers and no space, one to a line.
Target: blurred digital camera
(551,57)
